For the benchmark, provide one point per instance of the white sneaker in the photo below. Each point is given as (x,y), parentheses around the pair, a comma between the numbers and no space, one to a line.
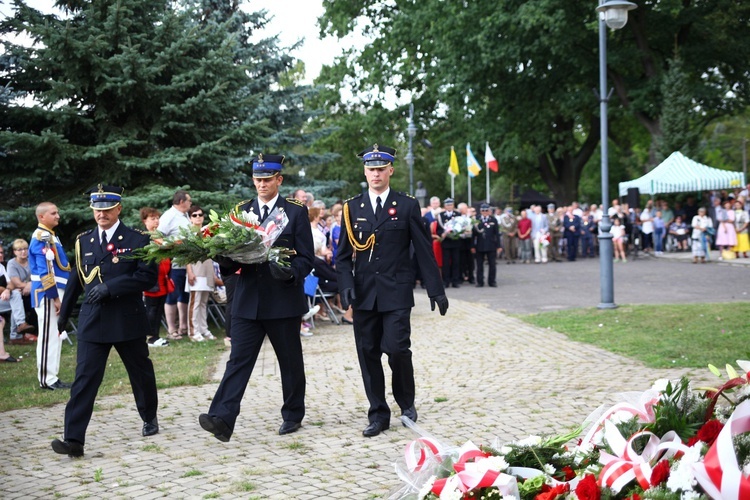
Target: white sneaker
(304,332)
(160,342)
(196,338)
(208,336)
(312,312)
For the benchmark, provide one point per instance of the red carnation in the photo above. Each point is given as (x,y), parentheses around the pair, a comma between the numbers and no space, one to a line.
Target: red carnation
(707,433)
(569,473)
(660,473)
(635,496)
(587,488)
(551,493)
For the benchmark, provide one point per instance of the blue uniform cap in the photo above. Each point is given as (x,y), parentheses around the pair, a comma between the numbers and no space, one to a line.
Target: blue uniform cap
(104,197)
(484,206)
(378,156)
(265,166)
(448,201)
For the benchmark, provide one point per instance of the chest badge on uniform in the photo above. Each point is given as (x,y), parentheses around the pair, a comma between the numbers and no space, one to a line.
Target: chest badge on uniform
(392,211)
(115,259)
(394,203)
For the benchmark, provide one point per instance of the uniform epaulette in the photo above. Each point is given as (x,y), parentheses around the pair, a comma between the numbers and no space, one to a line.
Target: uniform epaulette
(295,201)
(141,231)
(42,234)
(85,233)
(353,197)
(243,202)
(407,195)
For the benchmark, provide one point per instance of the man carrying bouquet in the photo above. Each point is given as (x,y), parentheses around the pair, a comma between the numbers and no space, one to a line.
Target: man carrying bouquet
(269,299)
(375,276)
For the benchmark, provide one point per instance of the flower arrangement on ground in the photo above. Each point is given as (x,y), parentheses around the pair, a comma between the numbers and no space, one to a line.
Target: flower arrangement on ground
(237,235)
(671,442)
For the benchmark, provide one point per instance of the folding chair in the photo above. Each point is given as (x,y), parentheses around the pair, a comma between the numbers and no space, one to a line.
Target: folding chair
(323,296)
(216,311)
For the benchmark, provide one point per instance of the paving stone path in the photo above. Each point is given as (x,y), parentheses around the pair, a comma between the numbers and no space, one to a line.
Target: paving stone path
(480,374)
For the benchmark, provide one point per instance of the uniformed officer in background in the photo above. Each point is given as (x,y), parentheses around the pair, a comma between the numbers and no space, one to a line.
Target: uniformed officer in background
(375,276)
(451,247)
(485,240)
(268,300)
(112,315)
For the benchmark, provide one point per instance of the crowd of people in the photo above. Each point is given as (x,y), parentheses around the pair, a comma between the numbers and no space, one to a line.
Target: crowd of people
(552,234)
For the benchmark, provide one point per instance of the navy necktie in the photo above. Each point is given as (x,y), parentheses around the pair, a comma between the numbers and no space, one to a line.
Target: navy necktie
(104,242)
(378,207)
(265,213)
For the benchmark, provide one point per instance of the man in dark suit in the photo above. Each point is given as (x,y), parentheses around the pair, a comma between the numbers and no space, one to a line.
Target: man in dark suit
(112,315)
(571,232)
(375,276)
(268,300)
(486,239)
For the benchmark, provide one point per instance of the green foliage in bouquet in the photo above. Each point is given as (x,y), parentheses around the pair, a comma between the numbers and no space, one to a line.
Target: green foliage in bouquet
(679,410)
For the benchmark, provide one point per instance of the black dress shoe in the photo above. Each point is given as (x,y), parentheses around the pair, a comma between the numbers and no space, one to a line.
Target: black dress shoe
(215,426)
(70,448)
(411,413)
(479,285)
(493,285)
(151,428)
(58,385)
(375,428)
(288,427)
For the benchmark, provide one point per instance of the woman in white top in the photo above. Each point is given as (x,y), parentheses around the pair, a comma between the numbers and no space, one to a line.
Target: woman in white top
(700,224)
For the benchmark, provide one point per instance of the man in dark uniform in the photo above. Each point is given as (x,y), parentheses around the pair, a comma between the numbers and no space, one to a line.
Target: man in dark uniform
(572,229)
(112,315)
(485,241)
(451,247)
(375,277)
(268,300)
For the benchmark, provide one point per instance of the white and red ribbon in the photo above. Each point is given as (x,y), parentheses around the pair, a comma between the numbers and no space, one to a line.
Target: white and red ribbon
(643,409)
(719,474)
(626,465)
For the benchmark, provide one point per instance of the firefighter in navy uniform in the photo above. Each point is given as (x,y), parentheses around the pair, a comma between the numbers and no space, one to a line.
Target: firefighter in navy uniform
(269,300)
(375,276)
(112,315)
(451,247)
(486,239)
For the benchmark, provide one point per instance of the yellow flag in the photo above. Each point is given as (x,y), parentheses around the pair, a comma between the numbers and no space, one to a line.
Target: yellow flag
(453,169)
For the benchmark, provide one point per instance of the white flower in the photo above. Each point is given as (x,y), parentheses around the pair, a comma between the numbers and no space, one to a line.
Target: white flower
(451,494)
(426,488)
(493,463)
(549,469)
(681,477)
(505,450)
(530,441)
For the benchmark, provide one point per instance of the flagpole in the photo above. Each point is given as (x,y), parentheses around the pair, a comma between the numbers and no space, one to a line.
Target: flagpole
(469,177)
(453,186)
(488,185)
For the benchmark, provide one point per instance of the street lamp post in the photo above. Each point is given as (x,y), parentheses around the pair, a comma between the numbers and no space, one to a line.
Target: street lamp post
(412,131)
(612,13)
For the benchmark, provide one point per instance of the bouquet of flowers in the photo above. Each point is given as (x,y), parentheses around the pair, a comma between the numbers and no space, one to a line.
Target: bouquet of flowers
(237,235)
(457,226)
(671,442)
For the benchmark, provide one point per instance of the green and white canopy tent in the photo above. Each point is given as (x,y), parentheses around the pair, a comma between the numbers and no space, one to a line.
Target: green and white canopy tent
(680,174)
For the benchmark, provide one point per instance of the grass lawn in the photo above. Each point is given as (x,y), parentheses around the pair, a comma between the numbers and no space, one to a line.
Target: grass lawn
(182,363)
(661,336)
